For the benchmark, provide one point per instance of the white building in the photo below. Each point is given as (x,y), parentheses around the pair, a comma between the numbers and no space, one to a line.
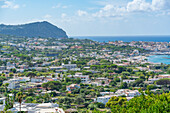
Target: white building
(13,83)
(37,79)
(84,78)
(128,81)
(104,99)
(69,66)
(127,92)
(37,108)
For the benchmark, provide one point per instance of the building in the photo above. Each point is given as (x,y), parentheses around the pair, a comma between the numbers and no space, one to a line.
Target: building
(37,108)
(127,92)
(164,76)
(102,79)
(2,68)
(13,84)
(72,87)
(69,66)
(128,81)
(37,79)
(93,62)
(84,78)
(104,99)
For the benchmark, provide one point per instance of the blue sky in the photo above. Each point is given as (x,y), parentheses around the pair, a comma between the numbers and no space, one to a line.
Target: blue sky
(92,17)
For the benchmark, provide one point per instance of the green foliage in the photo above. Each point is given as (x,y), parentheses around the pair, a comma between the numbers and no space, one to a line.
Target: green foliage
(123,85)
(142,104)
(52,85)
(116,102)
(29,99)
(164,81)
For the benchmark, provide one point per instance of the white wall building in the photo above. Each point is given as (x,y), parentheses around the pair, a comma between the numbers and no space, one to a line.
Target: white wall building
(13,83)
(84,78)
(104,99)
(69,66)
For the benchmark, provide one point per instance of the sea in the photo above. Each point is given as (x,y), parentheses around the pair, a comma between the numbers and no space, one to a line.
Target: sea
(125,38)
(154,58)
(165,59)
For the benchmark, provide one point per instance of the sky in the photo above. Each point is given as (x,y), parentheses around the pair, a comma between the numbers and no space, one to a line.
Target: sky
(92,17)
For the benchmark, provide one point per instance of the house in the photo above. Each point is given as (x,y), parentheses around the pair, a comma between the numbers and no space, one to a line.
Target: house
(37,108)
(93,62)
(10,65)
(152,80)
(106,93)
(71,110)
(37,79)
(69,66)
(46,64)
(48,79)
(55,67)
(75,69)
(127,92)
(23,79)
(2,68)
(20,70)
(164,76)
(84,78)
(72,87)
(13,83)
(104,99)
(128,81)
(101,79)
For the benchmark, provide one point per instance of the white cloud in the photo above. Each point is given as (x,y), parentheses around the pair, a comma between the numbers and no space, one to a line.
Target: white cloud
(108,7)
(168,13)
(81,13)
(47,16)
(142,5)
(10,4)
(63,15)
(110,11)
(60,6)
(139,6)
(160,4)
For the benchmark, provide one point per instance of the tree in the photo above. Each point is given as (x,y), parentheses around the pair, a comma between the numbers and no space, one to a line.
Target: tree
(46,97)
(45,85)
(79,100)
(78,80)
(31,74)
(8,103)
(145,104)
(116,102)
(52,85)
(5,86)
(91,106)
(164,81)
(123,85)
(19,97)
(53,76)
(59,75)
(11,74)
(113,83)
(29,99)
(100,105)
(67,100)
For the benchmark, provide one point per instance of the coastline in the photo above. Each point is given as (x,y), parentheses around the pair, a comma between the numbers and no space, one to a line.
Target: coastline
(159,58)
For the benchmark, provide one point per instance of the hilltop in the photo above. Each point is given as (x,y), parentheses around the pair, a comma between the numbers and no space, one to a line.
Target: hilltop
(36,29)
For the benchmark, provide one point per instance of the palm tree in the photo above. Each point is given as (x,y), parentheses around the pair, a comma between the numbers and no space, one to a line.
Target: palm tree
(19,98)
(5,86)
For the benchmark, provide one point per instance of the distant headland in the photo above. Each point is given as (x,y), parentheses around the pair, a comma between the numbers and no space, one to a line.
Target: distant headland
(36,29)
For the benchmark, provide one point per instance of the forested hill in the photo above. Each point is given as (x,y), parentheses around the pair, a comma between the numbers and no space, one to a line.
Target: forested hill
(36,29)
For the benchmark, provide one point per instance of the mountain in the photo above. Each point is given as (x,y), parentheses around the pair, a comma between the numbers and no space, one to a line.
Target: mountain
(36,29)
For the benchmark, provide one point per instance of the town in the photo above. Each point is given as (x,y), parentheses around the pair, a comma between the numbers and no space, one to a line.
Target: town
(69,75)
